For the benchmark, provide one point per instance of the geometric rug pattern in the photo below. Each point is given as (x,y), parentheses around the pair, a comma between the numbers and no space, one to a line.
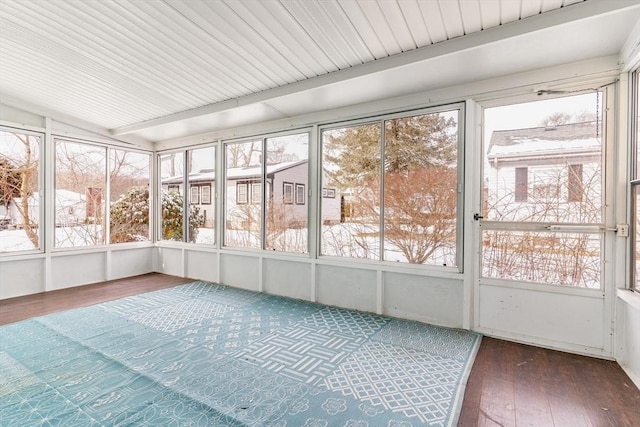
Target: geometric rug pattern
(204,354)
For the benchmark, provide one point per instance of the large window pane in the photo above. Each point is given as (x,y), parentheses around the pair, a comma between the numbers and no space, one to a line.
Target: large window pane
(635,210)
(202,184)
(129,188)
(543,171)
(350,194)
(171,197)
(565,259)
(543,161)
(636,236)
(635,96)
(80,172)
(19,191)
(420,189)
(286,187)
(243,194)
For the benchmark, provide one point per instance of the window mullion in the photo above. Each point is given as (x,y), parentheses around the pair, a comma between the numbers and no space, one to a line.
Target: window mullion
(381,201)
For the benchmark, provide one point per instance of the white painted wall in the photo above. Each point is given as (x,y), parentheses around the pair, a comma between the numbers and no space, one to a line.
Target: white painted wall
(372,287)
(31,274)
(628,333)
(22,277)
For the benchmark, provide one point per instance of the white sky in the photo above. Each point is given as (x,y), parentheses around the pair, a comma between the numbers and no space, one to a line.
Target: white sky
(530,114)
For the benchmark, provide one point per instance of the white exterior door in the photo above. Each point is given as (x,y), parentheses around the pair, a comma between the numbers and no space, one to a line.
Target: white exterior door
(542,228)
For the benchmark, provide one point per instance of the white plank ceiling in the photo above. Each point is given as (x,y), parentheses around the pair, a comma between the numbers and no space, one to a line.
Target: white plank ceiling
(164,69)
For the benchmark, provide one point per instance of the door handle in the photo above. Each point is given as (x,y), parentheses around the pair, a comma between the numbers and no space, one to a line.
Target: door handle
(477,217)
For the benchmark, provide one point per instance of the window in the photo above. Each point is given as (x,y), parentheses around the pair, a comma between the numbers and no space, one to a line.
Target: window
(171,196)
(398,172)
(635,183)
(545,183)
(329,193)
(196,168)
(287,193)
(300,194)
(201,163)
(420,189)
(129,196)
(256,193)
(547,155)
(20,199)
(286,219)
(243,207)
(351,164)
(256,215)
(81,180)
(522,184)
(205,194)
(194,197)
(242,193)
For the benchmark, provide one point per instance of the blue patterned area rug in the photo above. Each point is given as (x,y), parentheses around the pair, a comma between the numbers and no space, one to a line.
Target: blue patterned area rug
(204,354)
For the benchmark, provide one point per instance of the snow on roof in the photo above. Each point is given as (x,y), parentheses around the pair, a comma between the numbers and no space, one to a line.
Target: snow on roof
(235,173)
(541,141)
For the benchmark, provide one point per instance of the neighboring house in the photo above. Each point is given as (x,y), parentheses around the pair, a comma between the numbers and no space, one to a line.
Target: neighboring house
(201,192)
(71,209)
(534,168)
(286,189)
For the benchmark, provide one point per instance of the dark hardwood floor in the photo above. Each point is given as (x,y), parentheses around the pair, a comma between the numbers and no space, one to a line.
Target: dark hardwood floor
(21,308)
(510,384)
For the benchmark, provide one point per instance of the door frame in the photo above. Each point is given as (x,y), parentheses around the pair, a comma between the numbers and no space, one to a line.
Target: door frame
(487,296)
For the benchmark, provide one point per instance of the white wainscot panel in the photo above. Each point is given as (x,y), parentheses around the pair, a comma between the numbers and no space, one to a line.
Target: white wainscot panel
(23,277)
(347,287)
(170,261)
(628,355)
(131,262)
(240,271)
(287,278)
(427,299)
(202,265)
(75,269)
(544,318)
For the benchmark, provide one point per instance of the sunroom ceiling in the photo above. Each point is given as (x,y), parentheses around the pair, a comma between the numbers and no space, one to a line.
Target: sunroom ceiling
(168,68)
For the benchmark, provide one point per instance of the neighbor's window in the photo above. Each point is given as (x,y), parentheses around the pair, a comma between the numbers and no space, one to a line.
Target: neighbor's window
(243,210)
(412,160)
(129,191)
(80,197)
(20,199)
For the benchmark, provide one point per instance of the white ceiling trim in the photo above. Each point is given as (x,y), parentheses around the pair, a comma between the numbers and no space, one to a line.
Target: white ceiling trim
(582,75)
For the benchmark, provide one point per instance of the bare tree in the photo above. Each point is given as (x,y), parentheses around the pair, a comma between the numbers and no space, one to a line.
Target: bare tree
(80,169)
(569,259)
(420,182)
(19,181)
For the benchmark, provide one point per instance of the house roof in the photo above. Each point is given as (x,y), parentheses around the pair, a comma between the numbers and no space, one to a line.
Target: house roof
(573,138)
(236,173)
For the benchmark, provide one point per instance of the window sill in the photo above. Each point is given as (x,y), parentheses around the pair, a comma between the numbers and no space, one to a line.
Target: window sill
(630,297)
